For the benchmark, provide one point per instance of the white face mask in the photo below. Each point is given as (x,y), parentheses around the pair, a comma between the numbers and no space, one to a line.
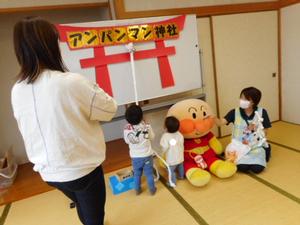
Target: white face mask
(244,104)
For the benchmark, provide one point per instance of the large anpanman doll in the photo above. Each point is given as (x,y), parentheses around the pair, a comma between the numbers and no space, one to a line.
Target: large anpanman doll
(201,147)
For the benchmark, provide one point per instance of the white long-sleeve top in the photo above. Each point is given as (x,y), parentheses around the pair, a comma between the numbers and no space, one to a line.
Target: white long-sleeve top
(172,145)
(58,116)
(139,137)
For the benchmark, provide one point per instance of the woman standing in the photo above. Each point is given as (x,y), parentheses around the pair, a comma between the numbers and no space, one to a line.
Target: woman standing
(58,114)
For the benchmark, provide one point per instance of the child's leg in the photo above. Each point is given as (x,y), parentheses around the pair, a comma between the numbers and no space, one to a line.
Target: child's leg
(181,171)
(137,164)
(173,174)
(148,170)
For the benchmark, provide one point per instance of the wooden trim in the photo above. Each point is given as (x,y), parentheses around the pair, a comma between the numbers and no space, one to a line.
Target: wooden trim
(53,7)
(275,121)
(285,3)
(29,183)
(119,8)
(203,11)
(290,122)
(214,68)
(279,64)
(110,12)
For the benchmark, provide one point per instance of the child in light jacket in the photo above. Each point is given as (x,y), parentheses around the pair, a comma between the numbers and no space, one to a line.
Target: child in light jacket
(172,145)
(138,135)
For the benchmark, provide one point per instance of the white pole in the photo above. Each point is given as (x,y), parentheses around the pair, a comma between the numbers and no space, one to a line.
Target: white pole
(168,168)
(131,50)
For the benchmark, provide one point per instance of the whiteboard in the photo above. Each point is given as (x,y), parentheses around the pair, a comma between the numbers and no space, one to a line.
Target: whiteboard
(185,64)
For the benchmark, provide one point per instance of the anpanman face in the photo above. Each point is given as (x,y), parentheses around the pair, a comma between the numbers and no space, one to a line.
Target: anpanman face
(195,117)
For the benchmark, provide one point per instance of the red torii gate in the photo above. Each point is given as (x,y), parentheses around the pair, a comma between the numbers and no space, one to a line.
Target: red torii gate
(101,61)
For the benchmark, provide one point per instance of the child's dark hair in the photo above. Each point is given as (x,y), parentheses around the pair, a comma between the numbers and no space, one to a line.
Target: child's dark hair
(172,124)
(252,93)
(134,114)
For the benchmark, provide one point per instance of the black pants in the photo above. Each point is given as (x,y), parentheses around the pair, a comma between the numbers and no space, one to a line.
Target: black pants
(245,168)
(88,193)
(268,153)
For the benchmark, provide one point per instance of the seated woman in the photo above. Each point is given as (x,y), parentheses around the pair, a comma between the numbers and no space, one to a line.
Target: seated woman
(243,126)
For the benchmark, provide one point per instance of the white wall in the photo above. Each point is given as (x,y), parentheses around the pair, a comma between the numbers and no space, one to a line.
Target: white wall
(205,45)
(246,55)
(290,42)
(137,5)
(9,134)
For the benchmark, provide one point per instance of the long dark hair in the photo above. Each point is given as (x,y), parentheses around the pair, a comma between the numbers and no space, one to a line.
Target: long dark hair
(36,48)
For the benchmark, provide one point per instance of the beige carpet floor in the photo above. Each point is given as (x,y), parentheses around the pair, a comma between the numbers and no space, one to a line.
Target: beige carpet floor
(52,208)
(284,133)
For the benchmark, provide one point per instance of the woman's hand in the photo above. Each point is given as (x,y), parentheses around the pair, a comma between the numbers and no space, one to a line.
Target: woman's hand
(219,121)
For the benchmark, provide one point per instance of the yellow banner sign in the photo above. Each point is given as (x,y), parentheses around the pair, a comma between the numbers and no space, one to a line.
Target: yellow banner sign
(121,35)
